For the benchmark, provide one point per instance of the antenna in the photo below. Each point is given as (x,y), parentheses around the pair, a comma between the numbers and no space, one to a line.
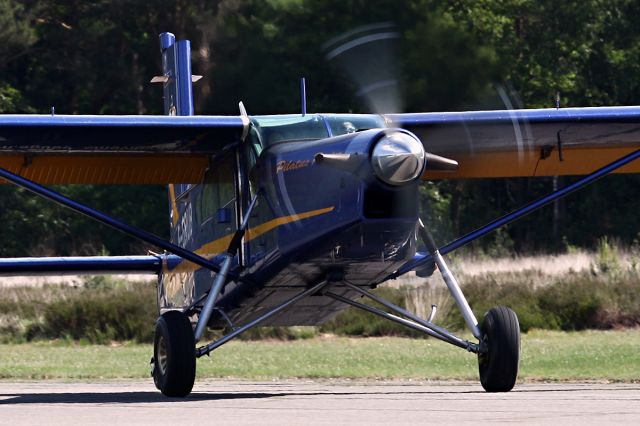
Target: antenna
(303,96)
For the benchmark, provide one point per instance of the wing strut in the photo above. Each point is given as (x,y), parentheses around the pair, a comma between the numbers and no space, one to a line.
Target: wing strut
(423,259)
(108,220)
(221,277)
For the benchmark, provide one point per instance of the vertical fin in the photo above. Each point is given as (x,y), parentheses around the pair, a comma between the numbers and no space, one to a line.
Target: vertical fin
(176,67)
(177,82)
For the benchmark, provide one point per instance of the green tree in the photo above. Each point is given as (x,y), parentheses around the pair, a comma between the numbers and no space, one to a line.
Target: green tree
(97,58)
(17,36)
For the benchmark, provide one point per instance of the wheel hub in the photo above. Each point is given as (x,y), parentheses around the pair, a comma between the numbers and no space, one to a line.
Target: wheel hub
(483,355)
(162,355)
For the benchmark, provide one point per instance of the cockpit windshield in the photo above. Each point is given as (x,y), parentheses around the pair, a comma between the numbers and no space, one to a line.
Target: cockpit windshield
(270,129)
(341,124)
(280,128)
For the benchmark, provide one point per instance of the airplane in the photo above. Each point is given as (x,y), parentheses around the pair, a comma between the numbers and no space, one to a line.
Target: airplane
(289,219)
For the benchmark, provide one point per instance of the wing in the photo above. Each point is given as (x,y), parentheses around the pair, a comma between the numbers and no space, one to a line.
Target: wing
(23,266)
(114,149)
(87,265)
(535,142)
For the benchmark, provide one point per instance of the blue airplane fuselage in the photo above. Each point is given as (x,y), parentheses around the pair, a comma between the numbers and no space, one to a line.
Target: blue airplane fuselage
(312,219)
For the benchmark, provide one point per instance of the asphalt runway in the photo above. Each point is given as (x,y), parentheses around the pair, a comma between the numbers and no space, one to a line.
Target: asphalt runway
(316,403)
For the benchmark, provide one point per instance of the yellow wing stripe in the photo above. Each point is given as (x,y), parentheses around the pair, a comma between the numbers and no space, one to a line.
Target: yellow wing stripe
(575,161)
(140,169)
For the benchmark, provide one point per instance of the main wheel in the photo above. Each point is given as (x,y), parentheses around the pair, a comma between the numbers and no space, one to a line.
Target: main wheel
(174,368)
(501,338)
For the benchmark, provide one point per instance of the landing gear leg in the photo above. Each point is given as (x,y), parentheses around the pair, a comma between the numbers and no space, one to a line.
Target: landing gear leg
(174,369)
(498,364)
(499,334)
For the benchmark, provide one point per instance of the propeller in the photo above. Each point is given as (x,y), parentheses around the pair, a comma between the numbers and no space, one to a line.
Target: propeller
(366,55)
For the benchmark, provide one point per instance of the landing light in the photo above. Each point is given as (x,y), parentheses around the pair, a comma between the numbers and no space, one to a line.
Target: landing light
(398,158)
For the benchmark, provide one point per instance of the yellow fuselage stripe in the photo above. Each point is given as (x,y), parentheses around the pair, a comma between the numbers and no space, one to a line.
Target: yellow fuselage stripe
(174,204)
(215,247)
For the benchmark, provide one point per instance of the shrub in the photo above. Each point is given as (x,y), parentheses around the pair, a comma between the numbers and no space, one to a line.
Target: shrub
(574,303)
(280,333)
(105,309)
(101,315)
(355,322)
(607,258)
(519,295)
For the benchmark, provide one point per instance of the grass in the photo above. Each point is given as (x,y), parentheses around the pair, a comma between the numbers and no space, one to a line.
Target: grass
(546,355)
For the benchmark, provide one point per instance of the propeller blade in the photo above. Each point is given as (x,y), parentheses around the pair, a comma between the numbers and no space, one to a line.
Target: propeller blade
(438,163)
(366,55)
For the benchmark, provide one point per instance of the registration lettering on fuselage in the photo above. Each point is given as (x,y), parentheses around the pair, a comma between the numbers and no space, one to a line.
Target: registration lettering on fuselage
(287,166)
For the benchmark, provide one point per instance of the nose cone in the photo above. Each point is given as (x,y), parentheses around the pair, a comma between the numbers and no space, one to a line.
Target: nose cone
(398,158)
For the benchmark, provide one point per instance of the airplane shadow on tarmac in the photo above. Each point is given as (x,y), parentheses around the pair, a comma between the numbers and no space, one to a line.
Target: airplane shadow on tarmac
(120,397)
(157,397)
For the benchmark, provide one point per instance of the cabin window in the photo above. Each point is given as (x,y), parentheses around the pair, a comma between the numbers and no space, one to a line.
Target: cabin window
(216,207)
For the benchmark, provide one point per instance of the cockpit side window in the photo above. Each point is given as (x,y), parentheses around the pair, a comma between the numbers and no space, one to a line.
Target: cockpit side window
(256,142)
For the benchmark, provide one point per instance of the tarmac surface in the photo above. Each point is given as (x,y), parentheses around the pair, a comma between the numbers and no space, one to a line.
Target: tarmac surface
(301,402)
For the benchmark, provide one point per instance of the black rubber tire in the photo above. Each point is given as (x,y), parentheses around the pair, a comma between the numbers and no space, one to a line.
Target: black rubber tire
(174,368)
(501,336)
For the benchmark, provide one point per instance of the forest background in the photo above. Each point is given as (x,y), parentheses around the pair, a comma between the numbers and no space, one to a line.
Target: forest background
(98,57)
